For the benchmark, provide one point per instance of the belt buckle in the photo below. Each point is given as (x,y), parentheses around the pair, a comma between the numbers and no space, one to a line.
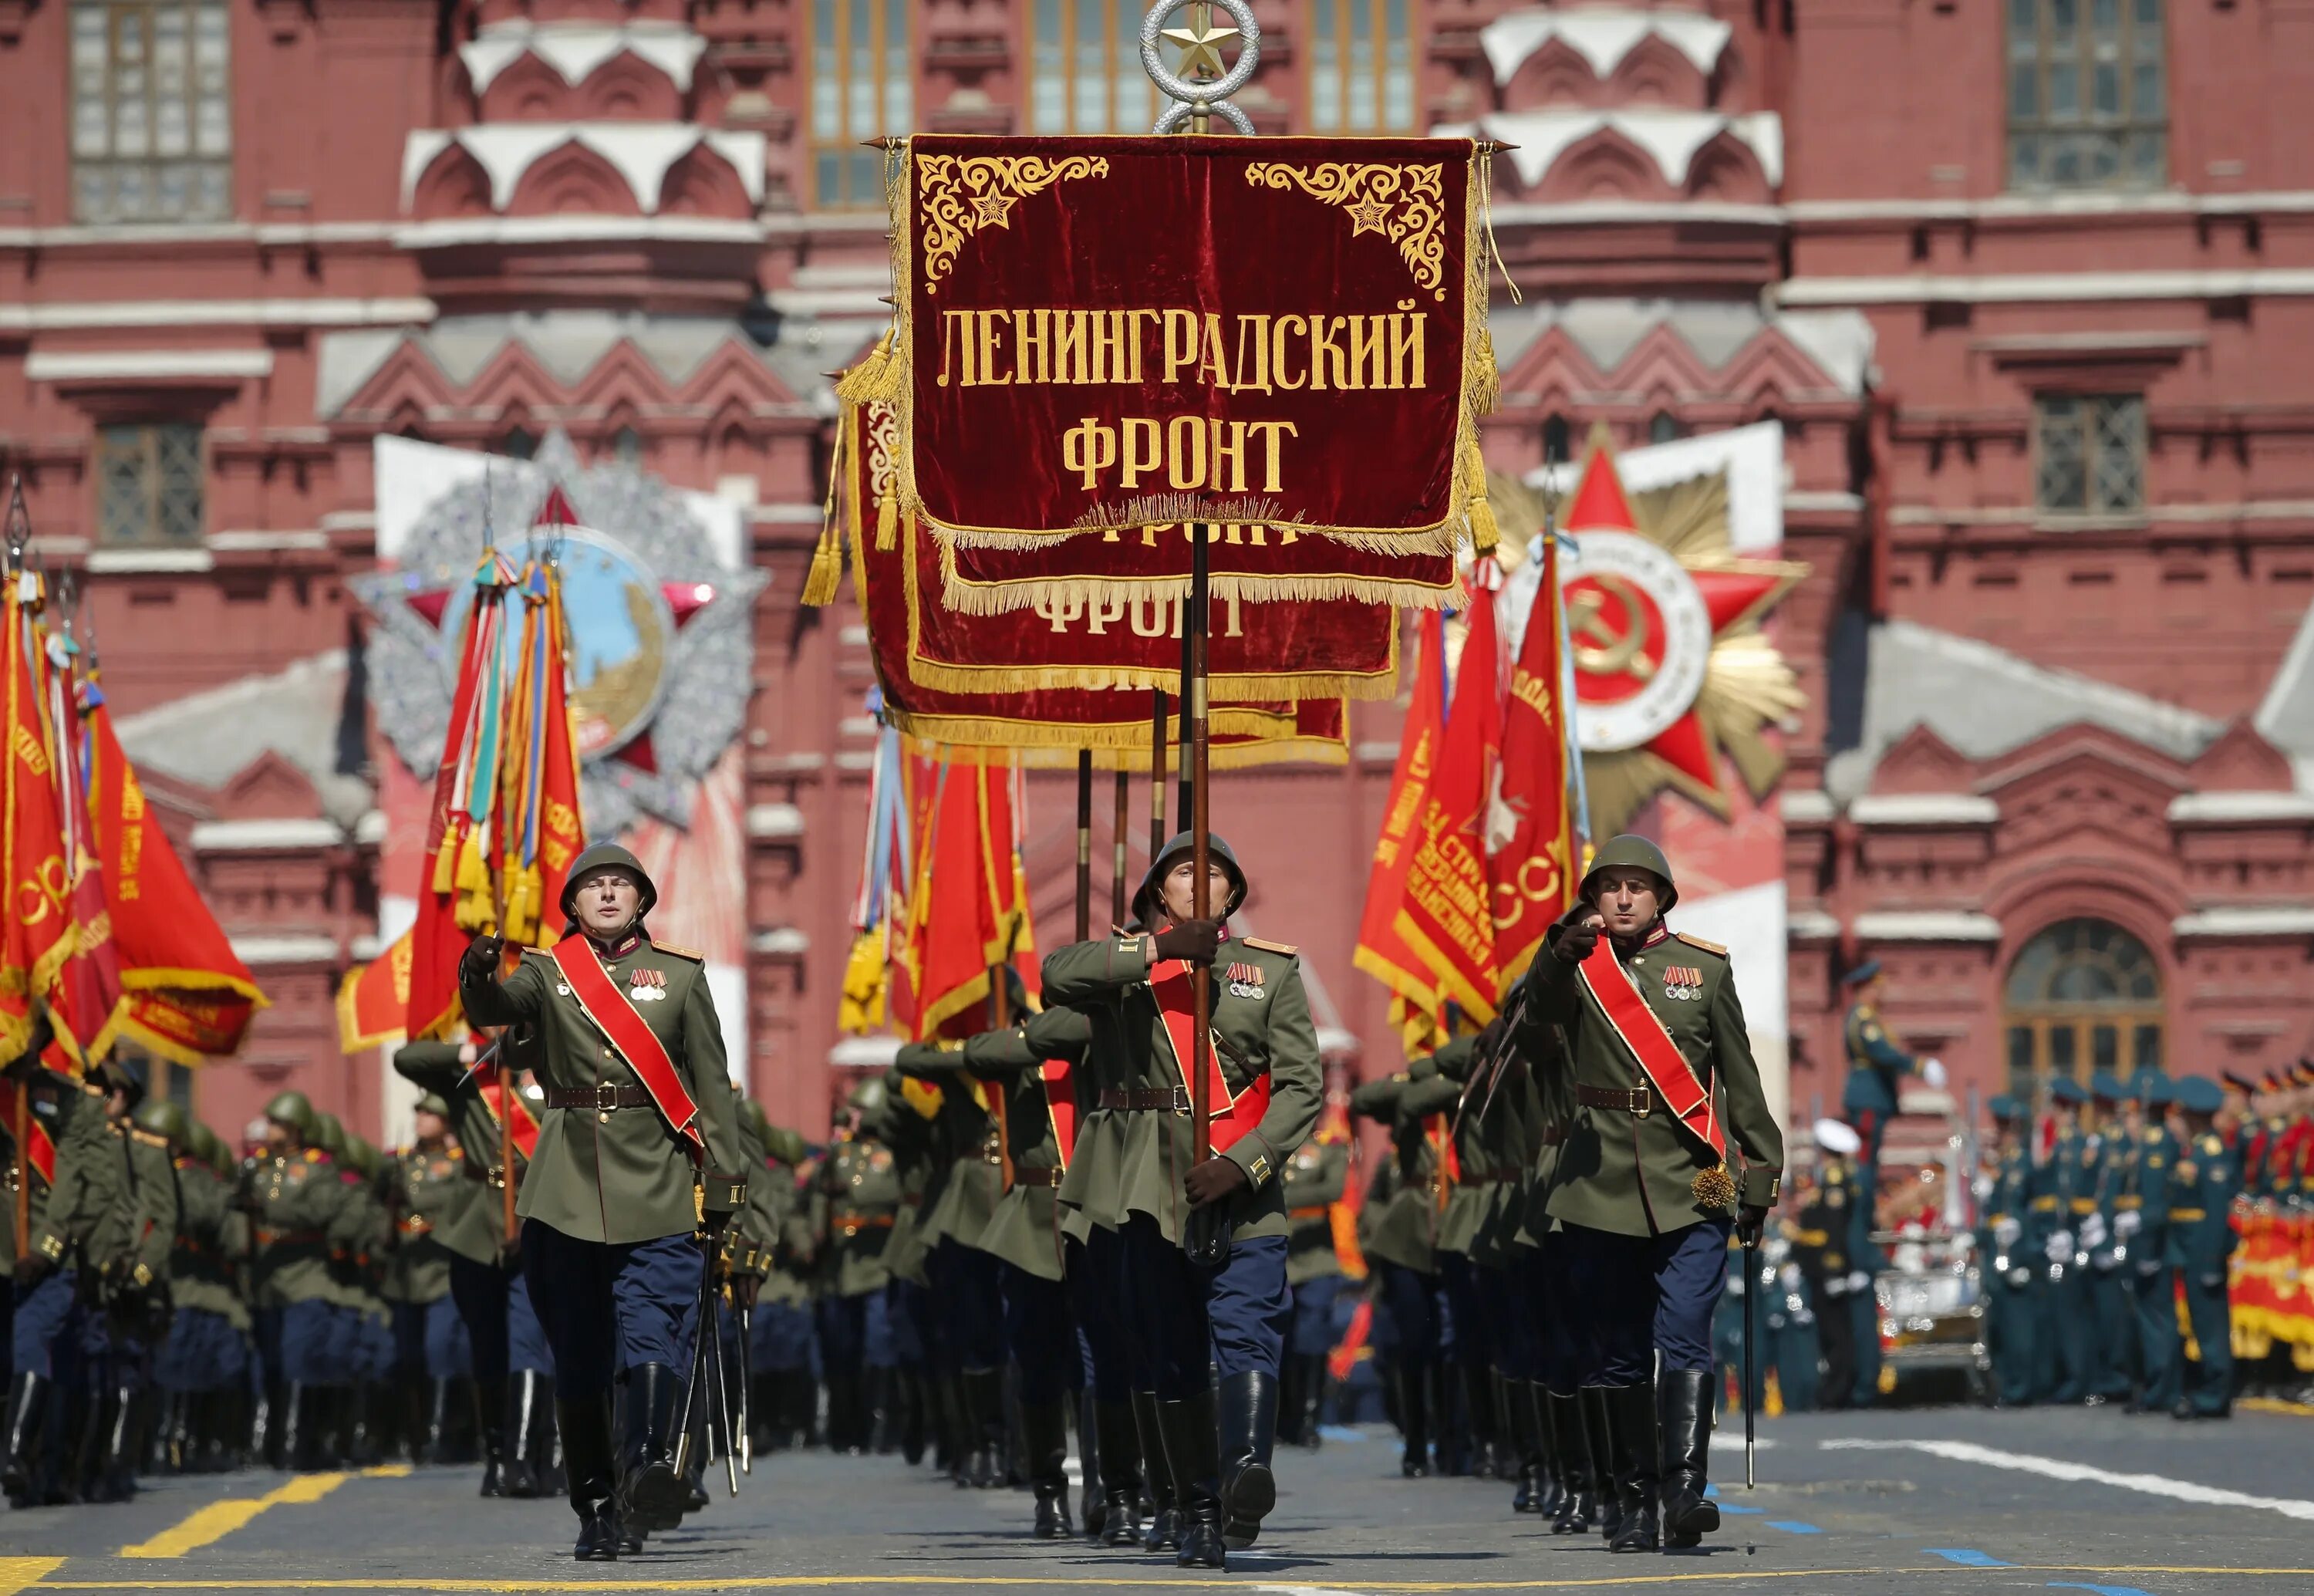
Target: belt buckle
(1643,1104)
(607,1100)
(1182,1105)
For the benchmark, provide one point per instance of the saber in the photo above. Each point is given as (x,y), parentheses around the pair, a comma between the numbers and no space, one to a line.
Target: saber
(722,1389)
(746,1391)
(1751,1408)
(698,1362)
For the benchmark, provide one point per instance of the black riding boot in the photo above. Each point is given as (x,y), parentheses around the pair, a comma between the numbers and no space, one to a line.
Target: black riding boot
(1638,1464)
(1414,1421)
(1045,1437)
(908,1397)
(1521,1437)
(1193,1452)
(1315,1379)
(1479,1400)
(877,1411)
(1249,1436)
(1578,1499)
(28,1404)
(1165,1516)
(1289,1400)
(651,1493)
(430,1449)
(985,1414)
(1120,1473)
(1607,1511)
(585,1426)
(1551,1471)
(526,1461)
(490,1400)
(1688,1514)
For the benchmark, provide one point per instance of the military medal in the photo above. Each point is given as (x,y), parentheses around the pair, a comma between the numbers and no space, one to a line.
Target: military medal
(1245,981)
(646,986)
(1683,982)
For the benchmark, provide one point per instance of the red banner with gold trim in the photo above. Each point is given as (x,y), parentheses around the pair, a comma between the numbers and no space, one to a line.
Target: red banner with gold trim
(1085,337)
(37,931)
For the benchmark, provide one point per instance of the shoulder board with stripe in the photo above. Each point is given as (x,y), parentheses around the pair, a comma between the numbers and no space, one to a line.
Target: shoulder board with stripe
(1267,945)
(696,959)
(1699,942)
(149,1139)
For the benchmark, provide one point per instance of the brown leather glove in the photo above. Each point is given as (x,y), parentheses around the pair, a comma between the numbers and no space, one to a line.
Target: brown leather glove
(1576,934)
(1213,1181)
(1194,941)
(482,958)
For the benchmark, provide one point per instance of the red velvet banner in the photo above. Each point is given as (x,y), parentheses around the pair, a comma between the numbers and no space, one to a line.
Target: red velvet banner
(1121,332)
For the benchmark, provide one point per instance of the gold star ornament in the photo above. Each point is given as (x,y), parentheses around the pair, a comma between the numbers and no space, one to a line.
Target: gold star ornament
(994,210)
(1201,42)
(1367,214)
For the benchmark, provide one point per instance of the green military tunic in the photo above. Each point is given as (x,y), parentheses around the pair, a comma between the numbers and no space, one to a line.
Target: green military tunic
(1400,1221)
(1316,1176)
(303,1212)
(624,1174)
(211,1239)
(152,1210)
(426,1189)
(1629,1173)
(1263,1026)
(921,1149)
(472,1228)
(859,1186)
(1022,1226)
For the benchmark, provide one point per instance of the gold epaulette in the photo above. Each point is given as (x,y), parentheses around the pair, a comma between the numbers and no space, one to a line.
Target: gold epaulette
(1699,942)
(1288,949)
(696,959)
(149,1139)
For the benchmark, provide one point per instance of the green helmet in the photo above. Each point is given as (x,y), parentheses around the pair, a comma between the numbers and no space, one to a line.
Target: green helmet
(432,1103)
(330,1135)
(160,1117)
(1178,847)
(608,856)
(211,1149)
(787,1146)
(361,1155)
(869,1096)
(752,1112)
(1632,852)
(293,1110)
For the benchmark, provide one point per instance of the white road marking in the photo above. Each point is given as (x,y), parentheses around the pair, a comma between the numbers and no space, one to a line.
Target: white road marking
(1730,1438)
(2150,1484)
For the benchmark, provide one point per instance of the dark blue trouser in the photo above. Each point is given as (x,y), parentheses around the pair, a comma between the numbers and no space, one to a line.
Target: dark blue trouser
(1553,1313)
(2162,1352)
(1646,1295)
(1472,1333)
(1191,1318)
(1042,1336)
(503,1334)
(1095,1294)
(607,1306)
(202,1352)
(1412,1299)
(969,1332)
(1313,1336)
(2208,1384)
(430,1338)
(783,1338)
(855,1333)
(43,1316)
(295,1341)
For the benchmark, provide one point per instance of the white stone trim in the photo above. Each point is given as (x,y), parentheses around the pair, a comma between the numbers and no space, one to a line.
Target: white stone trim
(576,48)
(780,942)
(1811,501)
(75,315)
(773,821)
(641,152)
(253,836)
(2190,808)
(261,949)
(266,542)
(1334,1042)
(149,563)
(1808,806)
(1603,35)
(1922,808)
(864,1053)
(1625,213)
(2045,288)
(574,229)
(1811,925)
(76,365)
(1927,925)
(175,235)
(2294,920)
(2101,204)
(370,830)
(1671,137)
(366,946)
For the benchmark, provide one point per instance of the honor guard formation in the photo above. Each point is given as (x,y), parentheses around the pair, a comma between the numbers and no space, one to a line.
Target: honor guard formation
(1006,1254)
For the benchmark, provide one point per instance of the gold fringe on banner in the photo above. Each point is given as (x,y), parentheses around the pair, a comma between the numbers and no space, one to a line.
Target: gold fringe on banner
(1484,533)
(887,523)
(826,573)
(1119,745)
(1037,593)
(880,379)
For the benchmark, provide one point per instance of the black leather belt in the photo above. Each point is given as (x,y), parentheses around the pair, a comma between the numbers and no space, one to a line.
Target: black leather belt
(601,1098)
(1165,1100)
(1639,1101)
(1036,1177)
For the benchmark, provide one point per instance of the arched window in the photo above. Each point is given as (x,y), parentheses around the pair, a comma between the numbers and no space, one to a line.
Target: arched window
(1556,433)
(519,443)
(2084,995)
(1664,427)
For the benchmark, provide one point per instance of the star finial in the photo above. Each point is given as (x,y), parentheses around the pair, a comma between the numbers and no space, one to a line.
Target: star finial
(1201,42)
(1367,214)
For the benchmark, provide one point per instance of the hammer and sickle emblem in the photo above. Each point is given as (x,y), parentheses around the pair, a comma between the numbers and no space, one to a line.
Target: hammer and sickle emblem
(1598,649)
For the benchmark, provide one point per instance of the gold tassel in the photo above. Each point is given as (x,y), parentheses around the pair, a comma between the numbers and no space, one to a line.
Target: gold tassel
(887,523)
(1487,380)
(875,380)
(1714,1188)
(476,910)
(1484,533)
(819,584)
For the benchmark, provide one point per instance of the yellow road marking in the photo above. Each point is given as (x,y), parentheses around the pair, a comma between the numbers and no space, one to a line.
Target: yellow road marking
(2296,1410)
(804,1581)
(221,1519)
(16,1573)
(387,1471)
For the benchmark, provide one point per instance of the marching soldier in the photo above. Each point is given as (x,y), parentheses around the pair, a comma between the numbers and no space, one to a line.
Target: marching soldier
(427,1180)
(202,1366)
(636,1150)
(2074,1175)
(466,1219)
(1315,1178)
(1461,1419)
(2008,1251)
(786,1401)
(1664,1080)
(2142,1224)
(2114,1325)
(299,1213)
(859,1186)
(2203,1185)
(1398,1246)
(1875,1065)
(1190,1306)
(1820,1247)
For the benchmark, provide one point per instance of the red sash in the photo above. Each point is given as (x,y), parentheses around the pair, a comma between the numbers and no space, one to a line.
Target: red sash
(40,1151)
(1061,1104)
(1650,1045)
(1230,1116)
(525,1128)
(615,1015)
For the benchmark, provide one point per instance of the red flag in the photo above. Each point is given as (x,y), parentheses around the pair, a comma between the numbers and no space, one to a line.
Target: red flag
(88,987)
(186,994)
(1381,952)
(542,832)
(970,913)
(374,1000)
(1445,918)
(1530,823)
(39,933)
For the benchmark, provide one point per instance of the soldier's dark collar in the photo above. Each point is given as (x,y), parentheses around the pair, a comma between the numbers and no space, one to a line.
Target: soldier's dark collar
(1657,933)
(628,940)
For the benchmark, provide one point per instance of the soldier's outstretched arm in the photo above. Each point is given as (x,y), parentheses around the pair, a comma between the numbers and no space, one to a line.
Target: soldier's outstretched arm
(719,1113)
(1424,1099)
(1378,1100)
(1297,1085)
(157,1218)
(1749,1121)
(490,1000)
(1095,972)
(430,1066)
(1869,1037)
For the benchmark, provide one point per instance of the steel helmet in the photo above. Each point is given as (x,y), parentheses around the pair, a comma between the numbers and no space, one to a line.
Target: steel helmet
(293,1110)
(1631,852)
(608,856)
(1176,848)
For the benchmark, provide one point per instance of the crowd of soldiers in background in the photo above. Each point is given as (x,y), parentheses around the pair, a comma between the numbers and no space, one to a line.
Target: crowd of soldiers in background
(306,1301)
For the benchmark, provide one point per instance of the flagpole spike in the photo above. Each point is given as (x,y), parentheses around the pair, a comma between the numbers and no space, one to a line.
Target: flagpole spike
(20,523)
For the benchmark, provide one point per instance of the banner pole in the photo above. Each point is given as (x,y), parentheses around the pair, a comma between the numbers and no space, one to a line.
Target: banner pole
(1182,796)
(1084,844)
(1116,835)
(1201,978)
(1157,764)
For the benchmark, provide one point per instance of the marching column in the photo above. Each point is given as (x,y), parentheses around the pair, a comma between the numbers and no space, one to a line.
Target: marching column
(1656,1042)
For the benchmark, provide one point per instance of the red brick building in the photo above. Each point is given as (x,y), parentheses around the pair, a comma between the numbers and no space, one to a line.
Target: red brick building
(2028,285)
